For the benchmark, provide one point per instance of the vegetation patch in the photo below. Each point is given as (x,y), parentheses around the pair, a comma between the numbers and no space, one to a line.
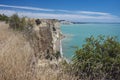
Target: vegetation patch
(4,18)
(97,59)
(17,23)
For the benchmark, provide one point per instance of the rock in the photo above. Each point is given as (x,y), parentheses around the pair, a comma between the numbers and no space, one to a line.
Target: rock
(45,38)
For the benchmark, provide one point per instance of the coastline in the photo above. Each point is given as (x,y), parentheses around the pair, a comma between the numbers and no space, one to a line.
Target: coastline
(61,49)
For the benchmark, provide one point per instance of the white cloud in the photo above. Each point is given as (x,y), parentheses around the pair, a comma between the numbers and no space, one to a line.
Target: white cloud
(82,16)
(52,10)
(26,7)
(93,13)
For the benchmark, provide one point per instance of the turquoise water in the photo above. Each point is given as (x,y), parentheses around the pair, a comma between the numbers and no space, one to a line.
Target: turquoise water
(76,34)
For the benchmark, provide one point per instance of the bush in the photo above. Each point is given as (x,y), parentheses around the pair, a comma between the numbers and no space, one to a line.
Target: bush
(17,23)
(4,18)
(97,59)
(38,22)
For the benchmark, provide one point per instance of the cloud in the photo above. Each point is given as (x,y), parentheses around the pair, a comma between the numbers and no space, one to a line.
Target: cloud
(93,13)
(26,7)
(81,16)
(52,10)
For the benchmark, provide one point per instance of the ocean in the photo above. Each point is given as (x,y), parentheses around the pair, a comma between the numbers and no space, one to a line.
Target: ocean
(75,35)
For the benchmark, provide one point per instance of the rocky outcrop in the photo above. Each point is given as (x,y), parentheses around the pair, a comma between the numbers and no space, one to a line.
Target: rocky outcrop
(44,36)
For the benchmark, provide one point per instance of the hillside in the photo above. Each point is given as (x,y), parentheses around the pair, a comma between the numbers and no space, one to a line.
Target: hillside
(23,55)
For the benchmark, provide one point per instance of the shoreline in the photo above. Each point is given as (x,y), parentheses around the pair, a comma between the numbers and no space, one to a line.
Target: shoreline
(61,50)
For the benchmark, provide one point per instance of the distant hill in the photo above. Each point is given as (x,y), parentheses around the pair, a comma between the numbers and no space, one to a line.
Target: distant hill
(65,22)
(95,22)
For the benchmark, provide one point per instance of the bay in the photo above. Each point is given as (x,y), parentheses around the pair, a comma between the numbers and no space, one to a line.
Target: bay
(75,35)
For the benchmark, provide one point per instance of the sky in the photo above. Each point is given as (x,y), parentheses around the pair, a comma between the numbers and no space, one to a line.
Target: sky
(71,10)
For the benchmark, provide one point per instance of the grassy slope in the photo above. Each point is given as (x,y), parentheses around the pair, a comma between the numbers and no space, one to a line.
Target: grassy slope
(15,59)
(15,54)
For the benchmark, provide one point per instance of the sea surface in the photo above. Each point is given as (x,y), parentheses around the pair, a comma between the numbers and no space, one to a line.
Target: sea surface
(77,33)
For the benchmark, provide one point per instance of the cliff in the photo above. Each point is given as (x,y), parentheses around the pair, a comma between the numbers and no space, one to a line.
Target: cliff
(30,50)
(44,36)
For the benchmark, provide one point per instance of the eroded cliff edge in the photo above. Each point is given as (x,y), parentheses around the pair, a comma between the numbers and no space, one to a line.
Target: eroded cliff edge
(44,36)
(29,49)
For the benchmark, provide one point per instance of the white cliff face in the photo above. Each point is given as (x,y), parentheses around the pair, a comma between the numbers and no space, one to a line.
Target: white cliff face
(56,37)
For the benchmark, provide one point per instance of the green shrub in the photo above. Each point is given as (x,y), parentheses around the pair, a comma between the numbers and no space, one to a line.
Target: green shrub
(97,59)
(4,18)
(17,23)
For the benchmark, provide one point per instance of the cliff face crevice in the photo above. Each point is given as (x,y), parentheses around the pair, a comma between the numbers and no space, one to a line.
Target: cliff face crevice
(45,38)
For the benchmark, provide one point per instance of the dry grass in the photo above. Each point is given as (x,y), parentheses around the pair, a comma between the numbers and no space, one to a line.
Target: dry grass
(51,70)
(16,56)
